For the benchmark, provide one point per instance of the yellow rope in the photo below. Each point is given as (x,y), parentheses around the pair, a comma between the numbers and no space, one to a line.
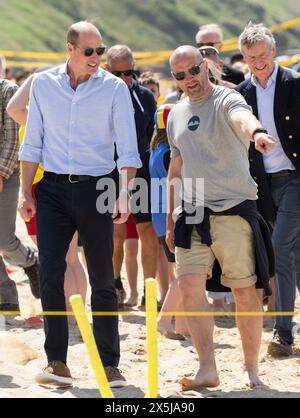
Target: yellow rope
(138,313)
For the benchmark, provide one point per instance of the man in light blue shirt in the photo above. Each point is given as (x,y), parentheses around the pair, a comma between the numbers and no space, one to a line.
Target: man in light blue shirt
(76,114)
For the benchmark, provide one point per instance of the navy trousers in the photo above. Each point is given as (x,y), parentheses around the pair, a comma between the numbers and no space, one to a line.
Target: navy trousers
(63,208)
(286,240)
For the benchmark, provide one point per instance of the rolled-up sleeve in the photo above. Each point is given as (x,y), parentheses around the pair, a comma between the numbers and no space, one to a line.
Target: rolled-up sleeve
(9,130)
(31,149)
(124,129)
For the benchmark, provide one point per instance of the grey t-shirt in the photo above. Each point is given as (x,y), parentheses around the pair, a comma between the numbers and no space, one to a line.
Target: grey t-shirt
(211,150)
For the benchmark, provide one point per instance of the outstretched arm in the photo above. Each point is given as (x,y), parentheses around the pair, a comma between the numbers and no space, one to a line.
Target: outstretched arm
(245,124)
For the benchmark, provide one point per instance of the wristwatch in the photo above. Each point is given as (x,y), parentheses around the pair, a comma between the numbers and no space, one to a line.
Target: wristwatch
(259,131)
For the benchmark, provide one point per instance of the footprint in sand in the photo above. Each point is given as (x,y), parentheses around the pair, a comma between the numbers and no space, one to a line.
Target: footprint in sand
(15,351)
(139,350)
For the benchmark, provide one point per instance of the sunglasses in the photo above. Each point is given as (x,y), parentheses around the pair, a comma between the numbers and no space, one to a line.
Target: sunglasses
(195,70)
(88,52)
(200,44)
(208,52)
(127,73)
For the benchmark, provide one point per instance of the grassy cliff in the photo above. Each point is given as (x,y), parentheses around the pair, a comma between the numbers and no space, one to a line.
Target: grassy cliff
(145,25)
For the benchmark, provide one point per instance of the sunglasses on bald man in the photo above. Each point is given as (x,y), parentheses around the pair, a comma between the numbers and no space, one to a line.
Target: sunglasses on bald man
(208,51)
(181,75)
(200,44)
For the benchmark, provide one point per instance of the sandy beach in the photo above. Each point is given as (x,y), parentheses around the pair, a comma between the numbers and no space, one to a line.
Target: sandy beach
(22,356)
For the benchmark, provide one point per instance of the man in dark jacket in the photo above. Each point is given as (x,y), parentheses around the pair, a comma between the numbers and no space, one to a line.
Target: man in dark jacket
(211,35)
(274,94)
(120,62)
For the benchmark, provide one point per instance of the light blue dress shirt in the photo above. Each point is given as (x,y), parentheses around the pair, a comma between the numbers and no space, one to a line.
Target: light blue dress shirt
(73,132)
(275,160)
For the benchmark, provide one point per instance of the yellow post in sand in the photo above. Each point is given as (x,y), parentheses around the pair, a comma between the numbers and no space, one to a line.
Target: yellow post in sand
(89,340)
(151,322)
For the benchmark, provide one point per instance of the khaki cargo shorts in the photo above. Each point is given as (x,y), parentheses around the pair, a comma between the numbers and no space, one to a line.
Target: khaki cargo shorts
(233,247)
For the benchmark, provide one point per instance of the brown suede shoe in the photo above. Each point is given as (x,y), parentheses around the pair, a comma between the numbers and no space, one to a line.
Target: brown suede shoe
(56,373)
(278,348)
(114,377)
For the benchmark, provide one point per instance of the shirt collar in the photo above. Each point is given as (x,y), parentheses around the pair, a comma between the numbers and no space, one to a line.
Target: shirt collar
(64,70)
(271,80)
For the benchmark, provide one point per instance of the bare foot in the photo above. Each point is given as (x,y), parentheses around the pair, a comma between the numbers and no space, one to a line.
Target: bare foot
(164,325)
(183,331)
(207,379)
(168,332)
(132,300)
(251,379)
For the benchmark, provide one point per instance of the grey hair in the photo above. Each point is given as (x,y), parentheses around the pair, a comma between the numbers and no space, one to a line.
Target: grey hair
(119,53)
(254,33)
(211,27)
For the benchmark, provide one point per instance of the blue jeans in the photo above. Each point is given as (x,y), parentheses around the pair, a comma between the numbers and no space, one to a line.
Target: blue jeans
(286,241)
(61,210)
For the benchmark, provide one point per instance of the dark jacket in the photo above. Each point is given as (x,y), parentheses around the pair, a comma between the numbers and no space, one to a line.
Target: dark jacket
(287,121)
(232,75)
(144,109)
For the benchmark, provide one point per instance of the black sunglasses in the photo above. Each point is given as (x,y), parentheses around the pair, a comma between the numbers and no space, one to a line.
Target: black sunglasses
(127,73)
(195,70)
(200,44)
(209,51)
(88,52)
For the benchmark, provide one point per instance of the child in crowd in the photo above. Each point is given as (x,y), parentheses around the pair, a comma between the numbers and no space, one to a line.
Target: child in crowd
(158,166)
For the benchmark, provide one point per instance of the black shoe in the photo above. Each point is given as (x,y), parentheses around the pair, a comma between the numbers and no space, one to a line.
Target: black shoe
(32,273)
(120,291)
(9,297)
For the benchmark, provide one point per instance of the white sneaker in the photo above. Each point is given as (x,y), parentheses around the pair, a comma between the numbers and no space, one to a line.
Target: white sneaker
(56,373)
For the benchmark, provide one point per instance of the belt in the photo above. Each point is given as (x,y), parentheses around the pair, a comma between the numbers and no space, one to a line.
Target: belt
(283,173)
(69,178)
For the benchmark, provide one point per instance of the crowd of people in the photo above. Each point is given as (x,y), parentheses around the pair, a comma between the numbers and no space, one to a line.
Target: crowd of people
(206,185)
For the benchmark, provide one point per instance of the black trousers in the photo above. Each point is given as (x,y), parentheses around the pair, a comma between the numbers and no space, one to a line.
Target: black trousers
(63,208)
